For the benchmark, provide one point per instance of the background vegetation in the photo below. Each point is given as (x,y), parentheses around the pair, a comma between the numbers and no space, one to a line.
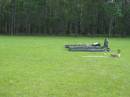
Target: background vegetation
(65,17)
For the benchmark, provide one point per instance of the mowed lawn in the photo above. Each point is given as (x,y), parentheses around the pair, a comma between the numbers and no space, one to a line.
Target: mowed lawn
(42,67)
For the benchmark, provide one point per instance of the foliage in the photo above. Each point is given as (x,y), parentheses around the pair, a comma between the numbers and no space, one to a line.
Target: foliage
(64,17)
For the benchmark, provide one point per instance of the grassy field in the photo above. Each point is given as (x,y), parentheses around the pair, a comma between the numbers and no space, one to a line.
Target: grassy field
(42,67)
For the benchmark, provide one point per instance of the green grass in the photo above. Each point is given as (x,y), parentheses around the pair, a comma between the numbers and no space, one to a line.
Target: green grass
(42,67)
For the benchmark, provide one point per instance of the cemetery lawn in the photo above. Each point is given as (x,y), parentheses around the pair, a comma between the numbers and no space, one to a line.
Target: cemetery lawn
(42,67)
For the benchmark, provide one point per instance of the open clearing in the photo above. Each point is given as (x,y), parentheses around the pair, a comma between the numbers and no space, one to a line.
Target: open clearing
(42,67)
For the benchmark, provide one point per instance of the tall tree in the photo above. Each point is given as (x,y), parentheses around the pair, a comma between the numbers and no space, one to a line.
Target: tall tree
(13,16)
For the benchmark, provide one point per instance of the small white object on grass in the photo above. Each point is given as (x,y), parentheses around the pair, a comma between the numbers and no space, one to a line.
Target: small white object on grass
(96,56)
(114,55)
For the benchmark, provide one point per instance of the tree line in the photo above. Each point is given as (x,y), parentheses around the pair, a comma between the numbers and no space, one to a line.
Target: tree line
(65,17)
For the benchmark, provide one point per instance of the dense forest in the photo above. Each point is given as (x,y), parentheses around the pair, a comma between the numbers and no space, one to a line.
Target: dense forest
(65,17)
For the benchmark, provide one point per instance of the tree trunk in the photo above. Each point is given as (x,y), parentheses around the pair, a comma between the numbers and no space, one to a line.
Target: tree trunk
(13,2)
(111,26)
